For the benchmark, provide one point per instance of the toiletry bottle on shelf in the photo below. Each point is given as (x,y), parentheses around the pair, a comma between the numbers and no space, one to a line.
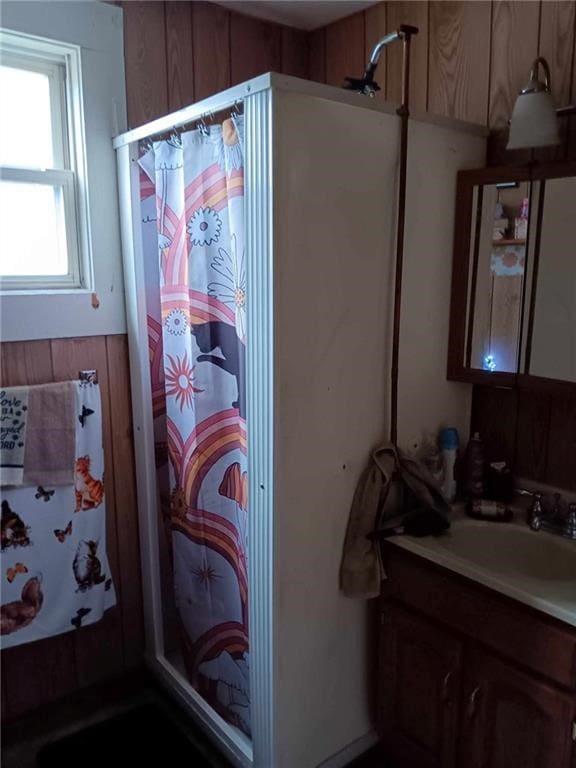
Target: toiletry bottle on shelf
(473,470)
(449,445)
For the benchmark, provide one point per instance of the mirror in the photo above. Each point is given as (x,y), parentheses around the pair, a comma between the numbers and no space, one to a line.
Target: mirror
(513,308)
(499,248)
(552,337)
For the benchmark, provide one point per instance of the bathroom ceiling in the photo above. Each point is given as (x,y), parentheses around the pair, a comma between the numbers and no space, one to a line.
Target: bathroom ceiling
(302,14)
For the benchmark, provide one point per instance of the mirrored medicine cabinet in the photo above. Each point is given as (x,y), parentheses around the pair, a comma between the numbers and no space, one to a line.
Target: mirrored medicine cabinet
(513,303)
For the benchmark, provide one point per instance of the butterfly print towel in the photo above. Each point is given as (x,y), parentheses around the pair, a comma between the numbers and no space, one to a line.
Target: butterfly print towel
(55,572)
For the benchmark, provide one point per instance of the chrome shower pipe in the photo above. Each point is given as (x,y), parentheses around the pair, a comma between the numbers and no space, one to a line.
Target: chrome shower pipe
(366,84)
(391,37)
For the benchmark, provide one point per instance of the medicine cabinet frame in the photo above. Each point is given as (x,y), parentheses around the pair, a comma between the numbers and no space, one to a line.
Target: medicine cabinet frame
(464,266)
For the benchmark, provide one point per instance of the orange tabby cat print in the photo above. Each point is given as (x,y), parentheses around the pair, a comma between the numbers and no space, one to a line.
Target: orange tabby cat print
(89,491)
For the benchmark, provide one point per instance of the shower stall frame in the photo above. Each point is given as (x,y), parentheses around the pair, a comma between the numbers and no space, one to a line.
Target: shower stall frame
(266,234)
(256,96)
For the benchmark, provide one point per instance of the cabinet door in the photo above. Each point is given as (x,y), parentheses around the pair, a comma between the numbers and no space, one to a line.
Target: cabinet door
(513,720)
(418,689)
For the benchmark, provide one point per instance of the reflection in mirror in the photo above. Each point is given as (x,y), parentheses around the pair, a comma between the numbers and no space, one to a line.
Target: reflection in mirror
(498,250)
(553,343)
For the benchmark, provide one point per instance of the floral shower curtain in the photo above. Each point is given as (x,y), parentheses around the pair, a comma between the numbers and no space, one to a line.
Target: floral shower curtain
(192,196)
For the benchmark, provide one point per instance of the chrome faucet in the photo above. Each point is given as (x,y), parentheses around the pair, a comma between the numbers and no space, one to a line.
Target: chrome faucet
(555,521)
(570,526)
(536,513)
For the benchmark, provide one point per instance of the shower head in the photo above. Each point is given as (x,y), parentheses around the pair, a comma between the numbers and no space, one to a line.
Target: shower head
(366,84)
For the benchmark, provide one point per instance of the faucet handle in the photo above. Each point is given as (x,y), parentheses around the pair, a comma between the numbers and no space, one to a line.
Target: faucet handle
(523,492)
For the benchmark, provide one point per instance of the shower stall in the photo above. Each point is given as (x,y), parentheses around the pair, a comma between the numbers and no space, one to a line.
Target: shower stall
(258,233)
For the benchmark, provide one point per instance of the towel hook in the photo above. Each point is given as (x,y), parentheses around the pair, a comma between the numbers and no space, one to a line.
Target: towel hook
(88,377)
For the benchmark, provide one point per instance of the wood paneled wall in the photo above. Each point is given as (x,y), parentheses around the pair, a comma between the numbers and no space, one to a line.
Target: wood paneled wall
(40,672)
(180,52)
(469,59)
(534,431)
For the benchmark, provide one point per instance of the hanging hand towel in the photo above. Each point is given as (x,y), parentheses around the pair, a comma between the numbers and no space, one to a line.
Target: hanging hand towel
(13,420)
(361,571)
(38,435)
(55,572)
(50,435)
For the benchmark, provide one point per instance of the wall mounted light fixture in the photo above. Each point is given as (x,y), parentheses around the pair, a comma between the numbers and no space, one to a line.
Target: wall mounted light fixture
(534,121)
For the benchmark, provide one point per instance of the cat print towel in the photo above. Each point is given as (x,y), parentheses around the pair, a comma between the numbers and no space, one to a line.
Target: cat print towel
(54,569)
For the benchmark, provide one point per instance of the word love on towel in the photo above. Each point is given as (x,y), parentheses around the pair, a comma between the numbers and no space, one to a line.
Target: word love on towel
(55,576)
(13,411)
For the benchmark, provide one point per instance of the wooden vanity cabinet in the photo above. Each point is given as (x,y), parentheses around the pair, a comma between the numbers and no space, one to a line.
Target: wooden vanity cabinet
(420,676)
(511,719)
(457,687)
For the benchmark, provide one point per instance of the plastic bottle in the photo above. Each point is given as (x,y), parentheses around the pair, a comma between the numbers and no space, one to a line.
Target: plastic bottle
(473,471)
(449,443)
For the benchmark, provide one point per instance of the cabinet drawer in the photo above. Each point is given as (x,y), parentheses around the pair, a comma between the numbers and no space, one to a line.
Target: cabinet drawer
(525,636)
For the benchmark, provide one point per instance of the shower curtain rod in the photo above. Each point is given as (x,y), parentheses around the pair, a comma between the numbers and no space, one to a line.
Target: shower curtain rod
(238,93)
(203,109)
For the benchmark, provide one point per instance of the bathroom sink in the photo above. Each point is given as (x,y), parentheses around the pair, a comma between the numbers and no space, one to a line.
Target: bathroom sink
(512,549)
(537,568)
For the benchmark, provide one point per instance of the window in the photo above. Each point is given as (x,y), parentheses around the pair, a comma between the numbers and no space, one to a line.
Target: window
(43,203)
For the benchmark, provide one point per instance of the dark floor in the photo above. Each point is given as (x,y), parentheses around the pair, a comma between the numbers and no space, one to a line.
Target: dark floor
(118,725)
(109,725)
(144,735)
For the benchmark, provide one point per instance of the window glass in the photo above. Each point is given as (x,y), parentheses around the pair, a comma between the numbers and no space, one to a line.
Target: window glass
(32,230)
(26,138)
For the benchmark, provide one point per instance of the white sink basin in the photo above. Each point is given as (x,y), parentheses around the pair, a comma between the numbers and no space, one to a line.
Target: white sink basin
(537,568)
(512,549)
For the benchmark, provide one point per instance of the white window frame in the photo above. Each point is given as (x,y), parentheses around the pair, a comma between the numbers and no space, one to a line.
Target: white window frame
(61,63)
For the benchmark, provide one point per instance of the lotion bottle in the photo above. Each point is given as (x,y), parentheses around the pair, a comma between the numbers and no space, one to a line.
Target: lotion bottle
(449,445)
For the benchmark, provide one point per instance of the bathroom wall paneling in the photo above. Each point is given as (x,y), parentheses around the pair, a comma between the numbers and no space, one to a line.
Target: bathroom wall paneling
(180,52)
(179,56)
(255,47)
(514,40)
(211,53)
(458,67)
(464,61)
(317,55)
(345,49)
(413,12)
(534,431)
(39,673)
(147,94)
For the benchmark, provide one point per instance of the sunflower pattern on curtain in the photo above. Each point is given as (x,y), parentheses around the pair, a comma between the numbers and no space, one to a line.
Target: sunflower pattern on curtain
(192,196)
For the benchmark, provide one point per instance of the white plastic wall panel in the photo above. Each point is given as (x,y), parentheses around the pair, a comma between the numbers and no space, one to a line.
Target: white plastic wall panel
(334,222)
(261,378)
(427,400)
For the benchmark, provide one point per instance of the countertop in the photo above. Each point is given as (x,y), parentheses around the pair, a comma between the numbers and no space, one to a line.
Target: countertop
(535,568)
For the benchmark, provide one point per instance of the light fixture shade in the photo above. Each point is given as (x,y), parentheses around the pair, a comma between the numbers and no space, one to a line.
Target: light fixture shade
(534,122)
